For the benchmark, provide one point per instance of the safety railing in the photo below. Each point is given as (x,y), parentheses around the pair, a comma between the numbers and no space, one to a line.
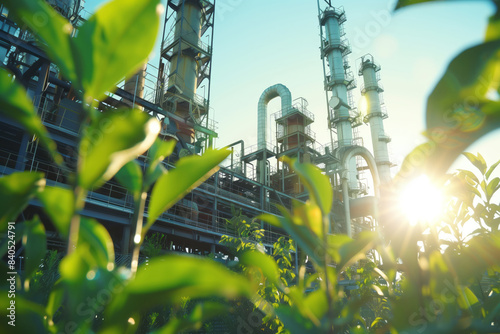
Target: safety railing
(206,217)
(373,86)
(60,116)
(299,105)
(281,133)
(8,160)
(255,148)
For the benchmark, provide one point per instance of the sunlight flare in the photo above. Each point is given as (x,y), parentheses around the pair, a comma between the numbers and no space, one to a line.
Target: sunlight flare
(421,201)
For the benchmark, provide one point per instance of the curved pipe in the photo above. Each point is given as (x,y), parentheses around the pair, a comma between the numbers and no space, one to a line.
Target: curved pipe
(347,154)
(269,94)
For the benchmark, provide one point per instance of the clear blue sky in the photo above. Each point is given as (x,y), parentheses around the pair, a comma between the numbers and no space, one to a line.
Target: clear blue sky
(259,43)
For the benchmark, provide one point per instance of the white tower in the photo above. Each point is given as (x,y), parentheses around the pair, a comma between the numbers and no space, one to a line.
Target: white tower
(339,81)
(375,115)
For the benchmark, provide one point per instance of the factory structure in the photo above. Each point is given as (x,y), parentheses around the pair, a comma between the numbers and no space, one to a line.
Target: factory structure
(177,92)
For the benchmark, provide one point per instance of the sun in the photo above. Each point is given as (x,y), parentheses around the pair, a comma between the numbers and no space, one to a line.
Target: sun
(421,201)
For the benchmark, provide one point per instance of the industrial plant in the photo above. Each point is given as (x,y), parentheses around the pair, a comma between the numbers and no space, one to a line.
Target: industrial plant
(253,180)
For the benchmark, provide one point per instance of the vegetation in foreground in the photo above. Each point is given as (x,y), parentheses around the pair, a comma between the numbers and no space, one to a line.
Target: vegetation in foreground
(406,280)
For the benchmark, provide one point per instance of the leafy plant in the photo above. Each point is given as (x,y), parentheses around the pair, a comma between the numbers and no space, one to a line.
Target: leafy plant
(247,233)
(419,285)
(91,287)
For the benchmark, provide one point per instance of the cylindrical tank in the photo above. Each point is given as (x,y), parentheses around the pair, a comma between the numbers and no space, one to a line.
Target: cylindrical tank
(188,29)
(375,117)
(335,60)
(337,75)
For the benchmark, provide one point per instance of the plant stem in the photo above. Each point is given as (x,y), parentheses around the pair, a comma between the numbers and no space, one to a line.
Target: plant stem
(329,289)
(79,193)
(138,239)
(74,227)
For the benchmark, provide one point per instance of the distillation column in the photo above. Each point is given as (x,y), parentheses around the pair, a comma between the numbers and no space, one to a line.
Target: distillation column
(188,64)
(338,81)
(375,115)
(183,60)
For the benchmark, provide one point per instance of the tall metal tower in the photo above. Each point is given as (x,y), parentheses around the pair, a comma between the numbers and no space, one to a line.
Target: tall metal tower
(338,80)
(186,59)
(376,113)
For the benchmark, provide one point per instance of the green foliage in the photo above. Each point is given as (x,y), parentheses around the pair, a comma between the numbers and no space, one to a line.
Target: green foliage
(316,183)
(45,277)
(89,285)
(194,277)
(53,31)
(112,140)
(459,109)
(100,54)
(405,3)
(16,190)
(34,241)
(17,106)
(189,173)
(412,285)
(154,244)
(59,204)
(248,234)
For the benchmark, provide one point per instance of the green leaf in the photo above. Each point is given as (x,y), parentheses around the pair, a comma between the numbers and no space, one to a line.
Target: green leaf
(406,3)
(114,43)
(88,288)
(483,253)
(53,30)
(492,188)
(59,204)
(16,105)
(28,315)
(491,169)
(265,262)
(113,139)
(157,284)
(468,174)
(189,173)
(305,238)
(466,299)
(493,28)
(317,184)
(35,245)
(18,229)
(355,250)
(477,161)
(201,313)
(16,190)
(100,55)
(130,176)
(157,153)
(317,303)
(453,122)
(310,215)
(99,242)
(294,321)
(56,298)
